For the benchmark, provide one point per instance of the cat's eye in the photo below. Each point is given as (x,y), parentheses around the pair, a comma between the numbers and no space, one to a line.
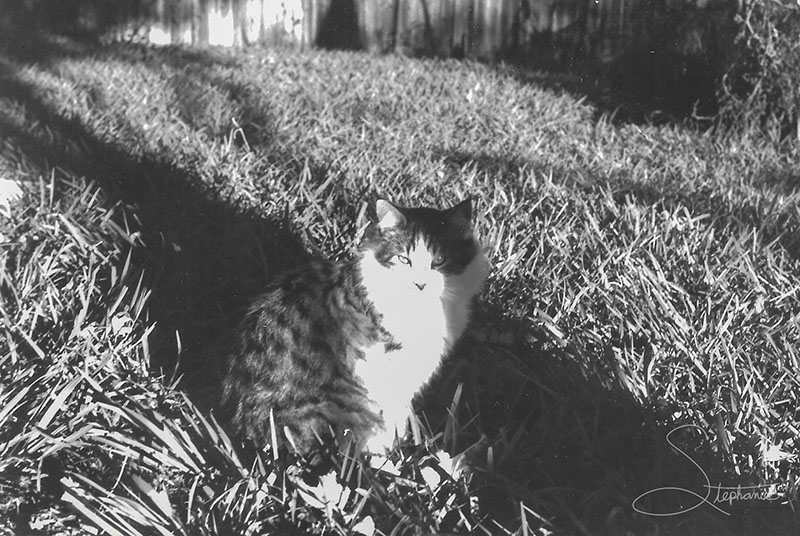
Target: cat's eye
(404,259)
(437,262)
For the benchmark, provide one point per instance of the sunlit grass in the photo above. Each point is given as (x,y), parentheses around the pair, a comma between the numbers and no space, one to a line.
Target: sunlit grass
(644,278)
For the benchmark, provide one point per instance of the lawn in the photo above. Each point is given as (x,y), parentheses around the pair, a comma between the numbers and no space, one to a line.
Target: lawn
(640,328)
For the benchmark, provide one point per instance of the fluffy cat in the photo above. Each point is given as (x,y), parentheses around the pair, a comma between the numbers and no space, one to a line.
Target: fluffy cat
(345,346)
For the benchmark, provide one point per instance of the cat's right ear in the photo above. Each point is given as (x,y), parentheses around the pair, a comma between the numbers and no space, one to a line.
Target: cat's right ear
(388,215)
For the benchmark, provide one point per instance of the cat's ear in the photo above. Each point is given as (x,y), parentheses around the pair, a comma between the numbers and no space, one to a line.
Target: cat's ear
(463,210)
(460,217)
(388,215)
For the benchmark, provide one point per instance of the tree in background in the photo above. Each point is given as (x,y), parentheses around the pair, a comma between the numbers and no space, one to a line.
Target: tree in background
(760,90)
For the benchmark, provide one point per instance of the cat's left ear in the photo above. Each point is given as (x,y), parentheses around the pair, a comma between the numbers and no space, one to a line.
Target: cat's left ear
(388,215)
(463,210)
(461,216)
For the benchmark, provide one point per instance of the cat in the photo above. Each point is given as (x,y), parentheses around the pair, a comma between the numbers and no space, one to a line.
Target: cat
(337,347)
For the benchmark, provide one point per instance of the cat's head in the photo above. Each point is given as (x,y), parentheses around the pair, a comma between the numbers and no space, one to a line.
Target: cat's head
(421,246)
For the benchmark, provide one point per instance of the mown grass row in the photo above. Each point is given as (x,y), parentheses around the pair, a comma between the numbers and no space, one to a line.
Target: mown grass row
(644,278)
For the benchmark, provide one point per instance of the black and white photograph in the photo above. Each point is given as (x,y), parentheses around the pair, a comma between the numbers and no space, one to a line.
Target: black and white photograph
(400,267)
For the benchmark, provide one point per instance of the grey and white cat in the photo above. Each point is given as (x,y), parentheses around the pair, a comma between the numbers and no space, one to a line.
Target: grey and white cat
(345,346)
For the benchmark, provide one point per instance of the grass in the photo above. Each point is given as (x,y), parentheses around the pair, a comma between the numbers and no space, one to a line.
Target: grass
(644,278)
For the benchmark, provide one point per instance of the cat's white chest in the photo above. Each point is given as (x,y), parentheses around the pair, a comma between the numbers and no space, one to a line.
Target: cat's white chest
(416,320)
(414,316)
(423,311)
(425,322)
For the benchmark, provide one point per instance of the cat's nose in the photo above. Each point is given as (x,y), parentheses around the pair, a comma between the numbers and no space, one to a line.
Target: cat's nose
(420,286)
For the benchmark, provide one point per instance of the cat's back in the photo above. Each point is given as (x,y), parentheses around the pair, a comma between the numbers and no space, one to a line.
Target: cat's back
(298,295)
(312,308)
(296,350)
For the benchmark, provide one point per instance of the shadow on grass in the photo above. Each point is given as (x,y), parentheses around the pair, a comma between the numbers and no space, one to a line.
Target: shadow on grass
(205,258)
(568,438)
(194,74)
(640,87)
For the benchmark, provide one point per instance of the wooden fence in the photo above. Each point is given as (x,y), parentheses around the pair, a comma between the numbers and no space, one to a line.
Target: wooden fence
(602,29)
(484,28)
